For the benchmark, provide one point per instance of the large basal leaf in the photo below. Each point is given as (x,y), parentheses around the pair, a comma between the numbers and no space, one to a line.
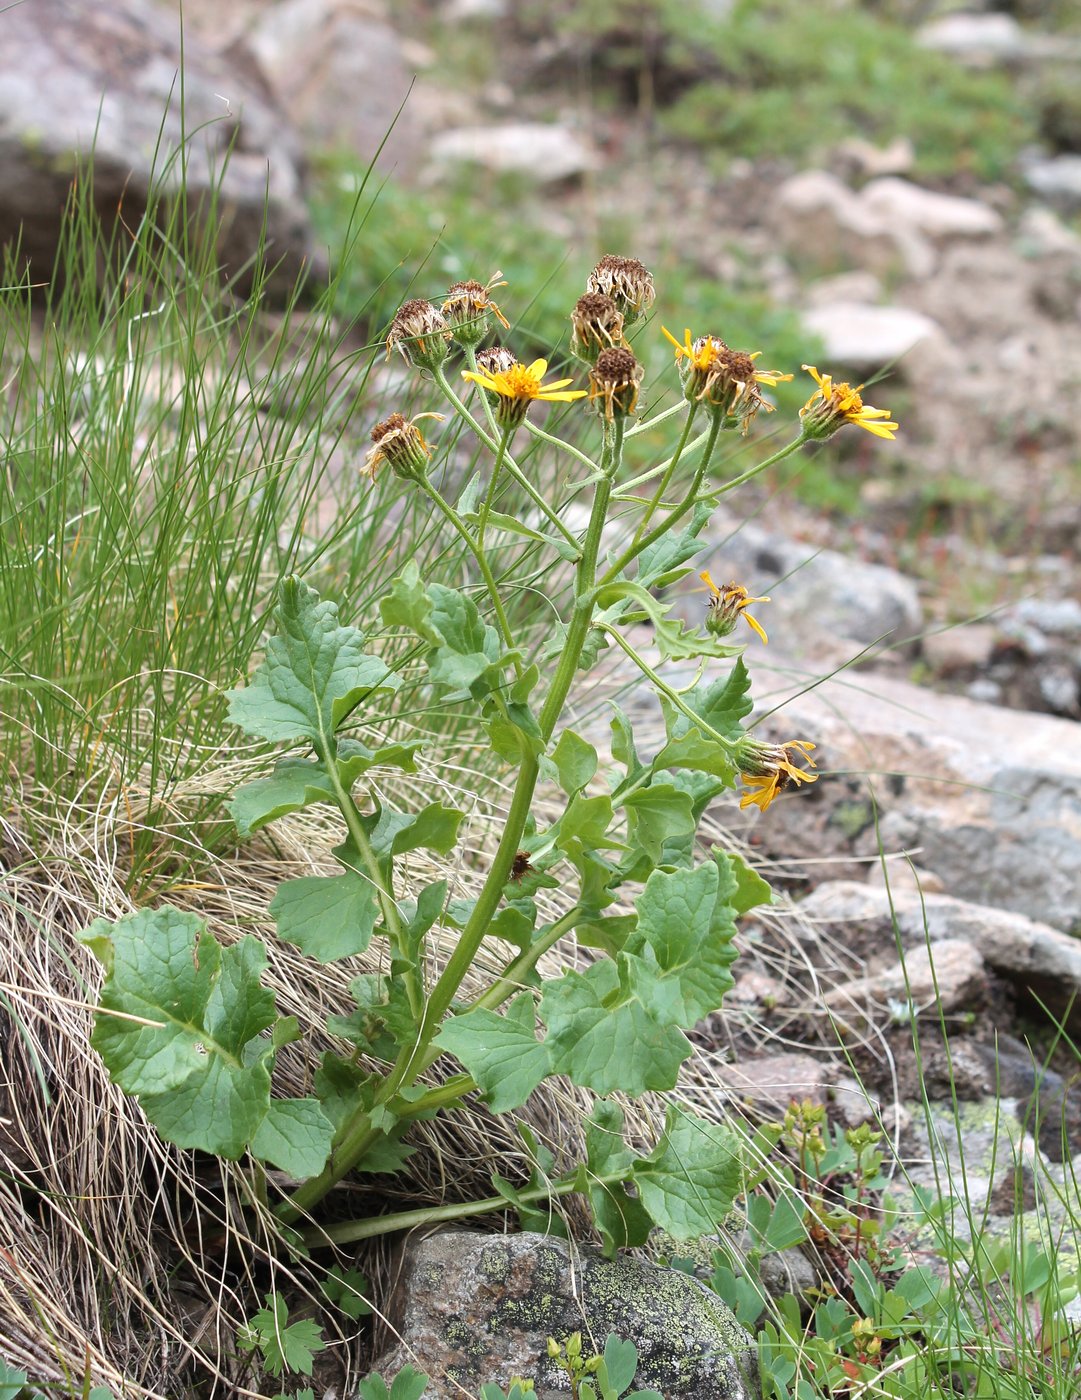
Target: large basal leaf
(181,1025)
(314,674)
(502,1053)
(689,1181)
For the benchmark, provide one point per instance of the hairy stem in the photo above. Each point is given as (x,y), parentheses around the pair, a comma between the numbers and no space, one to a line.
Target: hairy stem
(673,463)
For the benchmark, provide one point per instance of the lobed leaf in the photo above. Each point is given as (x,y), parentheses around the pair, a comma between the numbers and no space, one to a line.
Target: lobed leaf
(502,1053)
(689,1181)
(327,917)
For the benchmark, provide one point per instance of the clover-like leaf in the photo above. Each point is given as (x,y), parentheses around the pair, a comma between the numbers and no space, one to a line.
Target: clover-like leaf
(689,1181)
(314,674)
(502,1053)
(327,916)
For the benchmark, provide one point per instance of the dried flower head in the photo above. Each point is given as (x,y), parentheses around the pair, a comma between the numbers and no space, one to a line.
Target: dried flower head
(726,380)
(832,405)
(767,769)
(520,385)
(497,359)
(400,443)
(627,281)
(614,382)
(469,307)
(420,332)
(727,605)
(596,325)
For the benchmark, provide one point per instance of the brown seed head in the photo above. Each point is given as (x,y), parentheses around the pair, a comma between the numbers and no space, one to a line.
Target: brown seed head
(420,332)
(614,380)
(627,281)
(597,324)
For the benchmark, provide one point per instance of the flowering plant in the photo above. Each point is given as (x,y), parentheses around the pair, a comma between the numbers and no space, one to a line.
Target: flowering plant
(186,1023)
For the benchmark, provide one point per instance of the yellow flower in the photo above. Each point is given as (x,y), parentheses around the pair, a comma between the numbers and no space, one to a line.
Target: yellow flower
(725,379)
(727,605)
(400,443)
(832,405)
(519,386)
(767,769)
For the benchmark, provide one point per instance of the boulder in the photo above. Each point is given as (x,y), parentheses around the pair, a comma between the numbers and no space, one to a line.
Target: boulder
(98,86)
(470,1308)
(1038,959)
(867,338)
(821,593)
(938,216)
(948,977)
(545,152)
(823,224)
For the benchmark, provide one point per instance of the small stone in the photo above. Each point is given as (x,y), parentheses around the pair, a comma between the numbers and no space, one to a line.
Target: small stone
(1058,180)
(949,976)
(959,649)
(938,216)
(1041,234)
(545,152)
(1059,616)
(859,287)
(867,338)
(976,40)
(772,1082)
(864,158)
(901,875)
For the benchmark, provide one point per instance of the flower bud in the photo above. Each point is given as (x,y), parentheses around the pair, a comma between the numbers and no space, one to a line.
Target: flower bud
(615,380)
(400,443)
(497,359)
(468,310)
(596,325)
(627,281)
(727,605)
(420,332)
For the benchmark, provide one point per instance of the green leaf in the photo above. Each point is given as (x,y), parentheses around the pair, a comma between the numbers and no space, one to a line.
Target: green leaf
(689,1181)
(296,1136)
(672,639)
(470,659)
(434,827)
(12,1381)
(659,563)
(575,762)
(408,605)
(621,1363)
(515,923)
(498,521)
(314,674)
(587,820)
(722,703)
(194,1054)
(623,749)
(679,956)
(657,814)
(502,1053)
(604,1038)
(327,916)
(748,889)
(622,1220)
(421,916)
(347,1289)
(408,1385)
(285,1346)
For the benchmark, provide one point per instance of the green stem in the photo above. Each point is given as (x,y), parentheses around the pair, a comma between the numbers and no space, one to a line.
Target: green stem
(658,495)
(666,690)
(559,443)
(676,513)
(348,1231)
(511,978)
(489,495)
(627,491)
(441,1096)
(785,451)
(511,465)
(647,423)
(485,568)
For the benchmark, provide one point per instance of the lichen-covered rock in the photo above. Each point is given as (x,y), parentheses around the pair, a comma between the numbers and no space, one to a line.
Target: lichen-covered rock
(471,1308)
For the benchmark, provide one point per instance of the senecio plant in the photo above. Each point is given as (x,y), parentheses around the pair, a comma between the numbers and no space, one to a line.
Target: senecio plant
(186,1024)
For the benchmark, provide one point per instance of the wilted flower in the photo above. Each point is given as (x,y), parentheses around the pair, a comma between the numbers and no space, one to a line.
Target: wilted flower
(400,443)
(597,324)
(615,379)
(627,281)
(420,332)
(725,379)
(832,405)
(497,359)
(767,769)
(467,309)
(519,385)
(727,605)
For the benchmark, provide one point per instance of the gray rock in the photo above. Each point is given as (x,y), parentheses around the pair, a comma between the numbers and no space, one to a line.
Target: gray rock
(1042,234)
(947,977)
(867,338)
(340,71)
(1037,958)
(772,1082)
(546,153)
(938,216)
(99,83)
(964,648)
(860,287)
(821,222)
(821,593)
(976,40)
(1058,180)
(472,1308)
